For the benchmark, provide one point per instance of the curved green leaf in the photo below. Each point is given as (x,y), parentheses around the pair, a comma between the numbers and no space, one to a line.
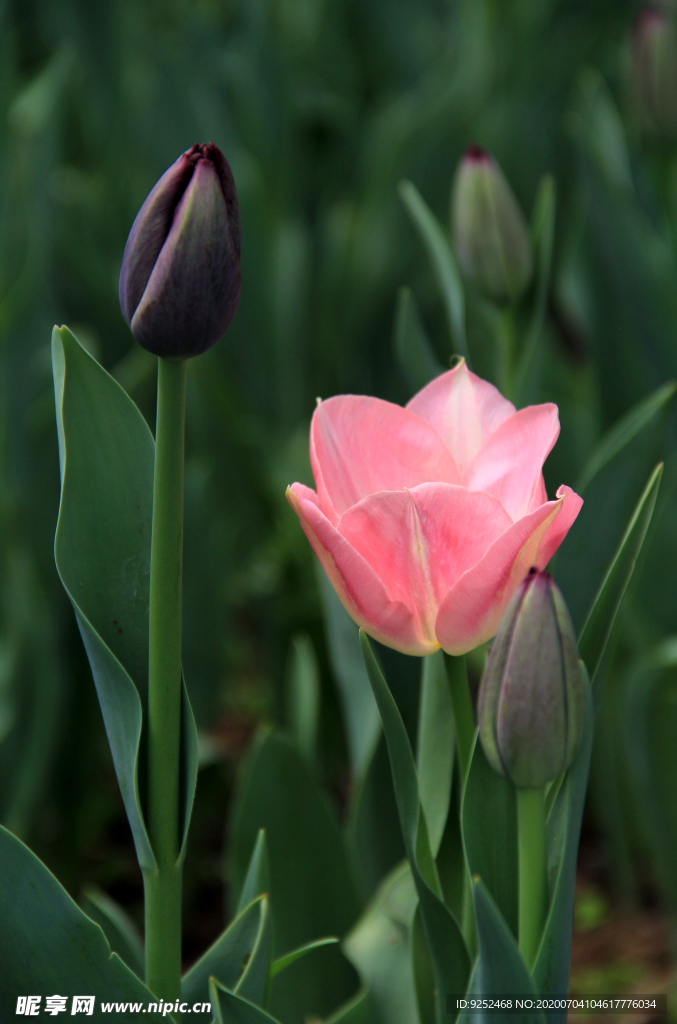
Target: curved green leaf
(102,551)
(650,726)
(442,260)
(614,480)
(227,959)
(378,946)
(257,879)
(48,945)
(255,980)
(501,969)
(489,817)
(527,373)
(358,1010)
(448,951)
(625,430)
(303,696)
(360,713)
(283,962)
(312,890)
(602,615)
(230,1008)
(412,347)
(119,929)
(422,970)
(551,971)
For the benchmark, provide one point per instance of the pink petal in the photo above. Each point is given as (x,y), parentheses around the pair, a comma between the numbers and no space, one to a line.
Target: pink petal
(361,591)
(571,506)
(510,463)
(419,541)
(540,495)
(472,610)
(361,445)
(464,410)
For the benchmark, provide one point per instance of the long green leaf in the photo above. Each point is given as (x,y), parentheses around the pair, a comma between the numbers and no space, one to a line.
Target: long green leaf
(118,928)
(360,713)
(442,260)
(102,551)
(312,889)
(303,696)
(623,432)
(48,945)
(551,971)
(599,623)
(230,1008)
(257,879)
(448,952)
(283,962)
(410,343)
(543,236)
(228,958)
(422,970)
(358,1010)
(501,969)
(489,817)
(649,729)
(255,980)
(378,946)
(613,482)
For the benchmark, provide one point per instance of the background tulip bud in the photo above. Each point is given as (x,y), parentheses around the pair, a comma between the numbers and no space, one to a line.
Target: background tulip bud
(655,73)
(532,696)
(180,276)
(491,236)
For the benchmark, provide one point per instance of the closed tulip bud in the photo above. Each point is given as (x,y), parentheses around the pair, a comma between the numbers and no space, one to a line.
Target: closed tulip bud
(655,73)
(180,276)
(532,696)
(491,236)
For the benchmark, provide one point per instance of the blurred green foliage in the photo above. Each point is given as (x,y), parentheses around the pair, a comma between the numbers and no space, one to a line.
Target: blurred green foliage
(322,107)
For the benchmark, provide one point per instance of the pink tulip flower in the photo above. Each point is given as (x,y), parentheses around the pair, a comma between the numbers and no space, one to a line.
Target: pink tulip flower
(427,518)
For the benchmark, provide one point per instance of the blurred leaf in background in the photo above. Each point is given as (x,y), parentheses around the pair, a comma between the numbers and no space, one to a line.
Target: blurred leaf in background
(322,108)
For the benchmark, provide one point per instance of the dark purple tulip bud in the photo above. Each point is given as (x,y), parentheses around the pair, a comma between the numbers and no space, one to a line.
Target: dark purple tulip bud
(654,54)
(180,276)
(532,696)
(491,235)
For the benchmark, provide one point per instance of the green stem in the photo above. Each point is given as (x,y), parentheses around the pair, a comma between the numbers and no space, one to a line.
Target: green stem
(464,716)
(163,886)
(464,725)
(532,871)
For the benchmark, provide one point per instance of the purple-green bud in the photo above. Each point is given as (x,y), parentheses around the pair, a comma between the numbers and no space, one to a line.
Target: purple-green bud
(532,696)
(654,54)
(490,233)
(180,276)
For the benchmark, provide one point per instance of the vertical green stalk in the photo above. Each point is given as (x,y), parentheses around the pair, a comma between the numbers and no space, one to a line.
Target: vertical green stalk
(532,871)
(464,725)
(163,886)
(464,716)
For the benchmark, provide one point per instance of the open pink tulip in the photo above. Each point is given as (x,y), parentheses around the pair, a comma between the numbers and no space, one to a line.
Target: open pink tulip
(427,518)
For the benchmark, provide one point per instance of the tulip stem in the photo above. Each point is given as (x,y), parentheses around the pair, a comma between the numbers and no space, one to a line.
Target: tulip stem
(464,725)
(163,885)
(532,870)
(464,716)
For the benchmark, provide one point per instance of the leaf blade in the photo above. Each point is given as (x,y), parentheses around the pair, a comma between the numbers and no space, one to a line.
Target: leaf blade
(597,629)
(442,261)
